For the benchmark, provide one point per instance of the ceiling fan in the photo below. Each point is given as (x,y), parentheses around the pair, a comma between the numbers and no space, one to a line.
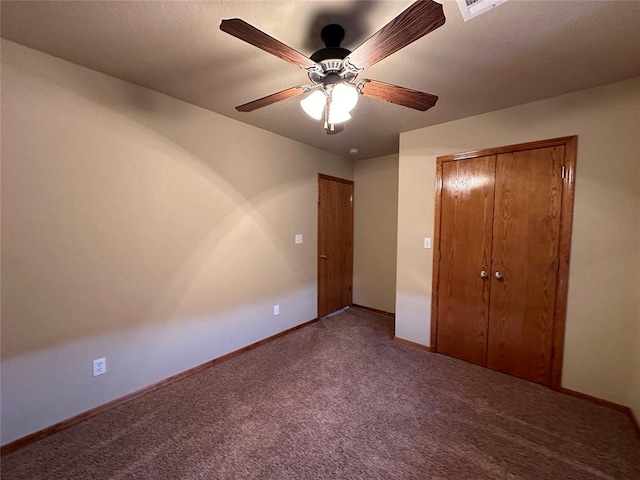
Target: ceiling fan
(333,70)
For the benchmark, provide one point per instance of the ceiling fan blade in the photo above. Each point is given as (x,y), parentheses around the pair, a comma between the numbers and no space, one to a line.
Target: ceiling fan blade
(416,21)
(269,99)
(250,34)
(398,95)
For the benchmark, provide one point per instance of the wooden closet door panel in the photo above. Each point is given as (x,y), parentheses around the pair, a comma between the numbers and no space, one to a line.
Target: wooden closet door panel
(525,252)
(465,248)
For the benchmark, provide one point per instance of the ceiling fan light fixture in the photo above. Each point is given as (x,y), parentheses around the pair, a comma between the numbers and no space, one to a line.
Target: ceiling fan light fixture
(344,96)
(313,105)
(338,116)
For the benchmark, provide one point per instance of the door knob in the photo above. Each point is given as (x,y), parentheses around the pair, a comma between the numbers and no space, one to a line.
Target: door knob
(323,256)
(499,276)
(483,274)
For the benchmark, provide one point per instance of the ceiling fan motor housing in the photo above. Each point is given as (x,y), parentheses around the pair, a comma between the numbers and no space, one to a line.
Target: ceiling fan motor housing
(331,58)
(332,36)
(328,53)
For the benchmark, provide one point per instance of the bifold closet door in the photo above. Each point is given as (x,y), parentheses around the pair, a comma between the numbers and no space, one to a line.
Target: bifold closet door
(502,238)
(526,236)
(465,249)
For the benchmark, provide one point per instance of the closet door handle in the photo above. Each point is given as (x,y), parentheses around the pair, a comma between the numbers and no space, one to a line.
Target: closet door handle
(499,276)
(483,274)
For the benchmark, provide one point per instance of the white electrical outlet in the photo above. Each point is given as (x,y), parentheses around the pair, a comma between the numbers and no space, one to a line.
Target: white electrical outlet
(99,366)
(298,238)
(276,310)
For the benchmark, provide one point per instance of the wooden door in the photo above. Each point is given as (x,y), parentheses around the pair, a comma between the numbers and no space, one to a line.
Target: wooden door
(335,244)
(465,246)
(506,211)
(526,236)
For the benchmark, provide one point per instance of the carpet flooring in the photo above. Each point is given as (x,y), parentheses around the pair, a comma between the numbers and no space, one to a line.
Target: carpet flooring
(340,400)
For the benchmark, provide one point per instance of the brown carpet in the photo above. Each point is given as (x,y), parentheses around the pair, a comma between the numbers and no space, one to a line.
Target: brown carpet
(341,400)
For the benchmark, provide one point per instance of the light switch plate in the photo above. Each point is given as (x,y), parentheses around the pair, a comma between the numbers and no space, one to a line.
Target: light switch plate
(427,242)
(298,238)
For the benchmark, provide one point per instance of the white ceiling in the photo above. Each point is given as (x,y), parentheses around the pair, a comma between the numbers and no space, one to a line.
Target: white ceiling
(519,52)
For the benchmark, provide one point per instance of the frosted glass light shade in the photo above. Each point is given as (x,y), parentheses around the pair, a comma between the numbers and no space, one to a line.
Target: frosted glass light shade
(338,116)
(313,105)
(344,97)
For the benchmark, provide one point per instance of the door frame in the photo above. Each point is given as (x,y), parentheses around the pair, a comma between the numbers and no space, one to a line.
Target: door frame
(564,251)
(322,176)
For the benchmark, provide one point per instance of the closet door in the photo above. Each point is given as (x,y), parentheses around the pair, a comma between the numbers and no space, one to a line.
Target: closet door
(526,232)
(506,211)
(465,252)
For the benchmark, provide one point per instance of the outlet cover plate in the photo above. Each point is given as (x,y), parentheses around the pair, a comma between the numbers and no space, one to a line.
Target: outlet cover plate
(99,366)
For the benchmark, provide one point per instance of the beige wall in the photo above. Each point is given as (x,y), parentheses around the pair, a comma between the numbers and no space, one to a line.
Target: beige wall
(603,319)
(375,232)
(139,228)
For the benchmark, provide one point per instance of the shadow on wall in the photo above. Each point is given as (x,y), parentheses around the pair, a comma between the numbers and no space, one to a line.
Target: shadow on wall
(151,215)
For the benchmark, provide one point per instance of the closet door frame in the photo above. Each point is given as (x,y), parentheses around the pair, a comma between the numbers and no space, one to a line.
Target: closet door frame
(566,221)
